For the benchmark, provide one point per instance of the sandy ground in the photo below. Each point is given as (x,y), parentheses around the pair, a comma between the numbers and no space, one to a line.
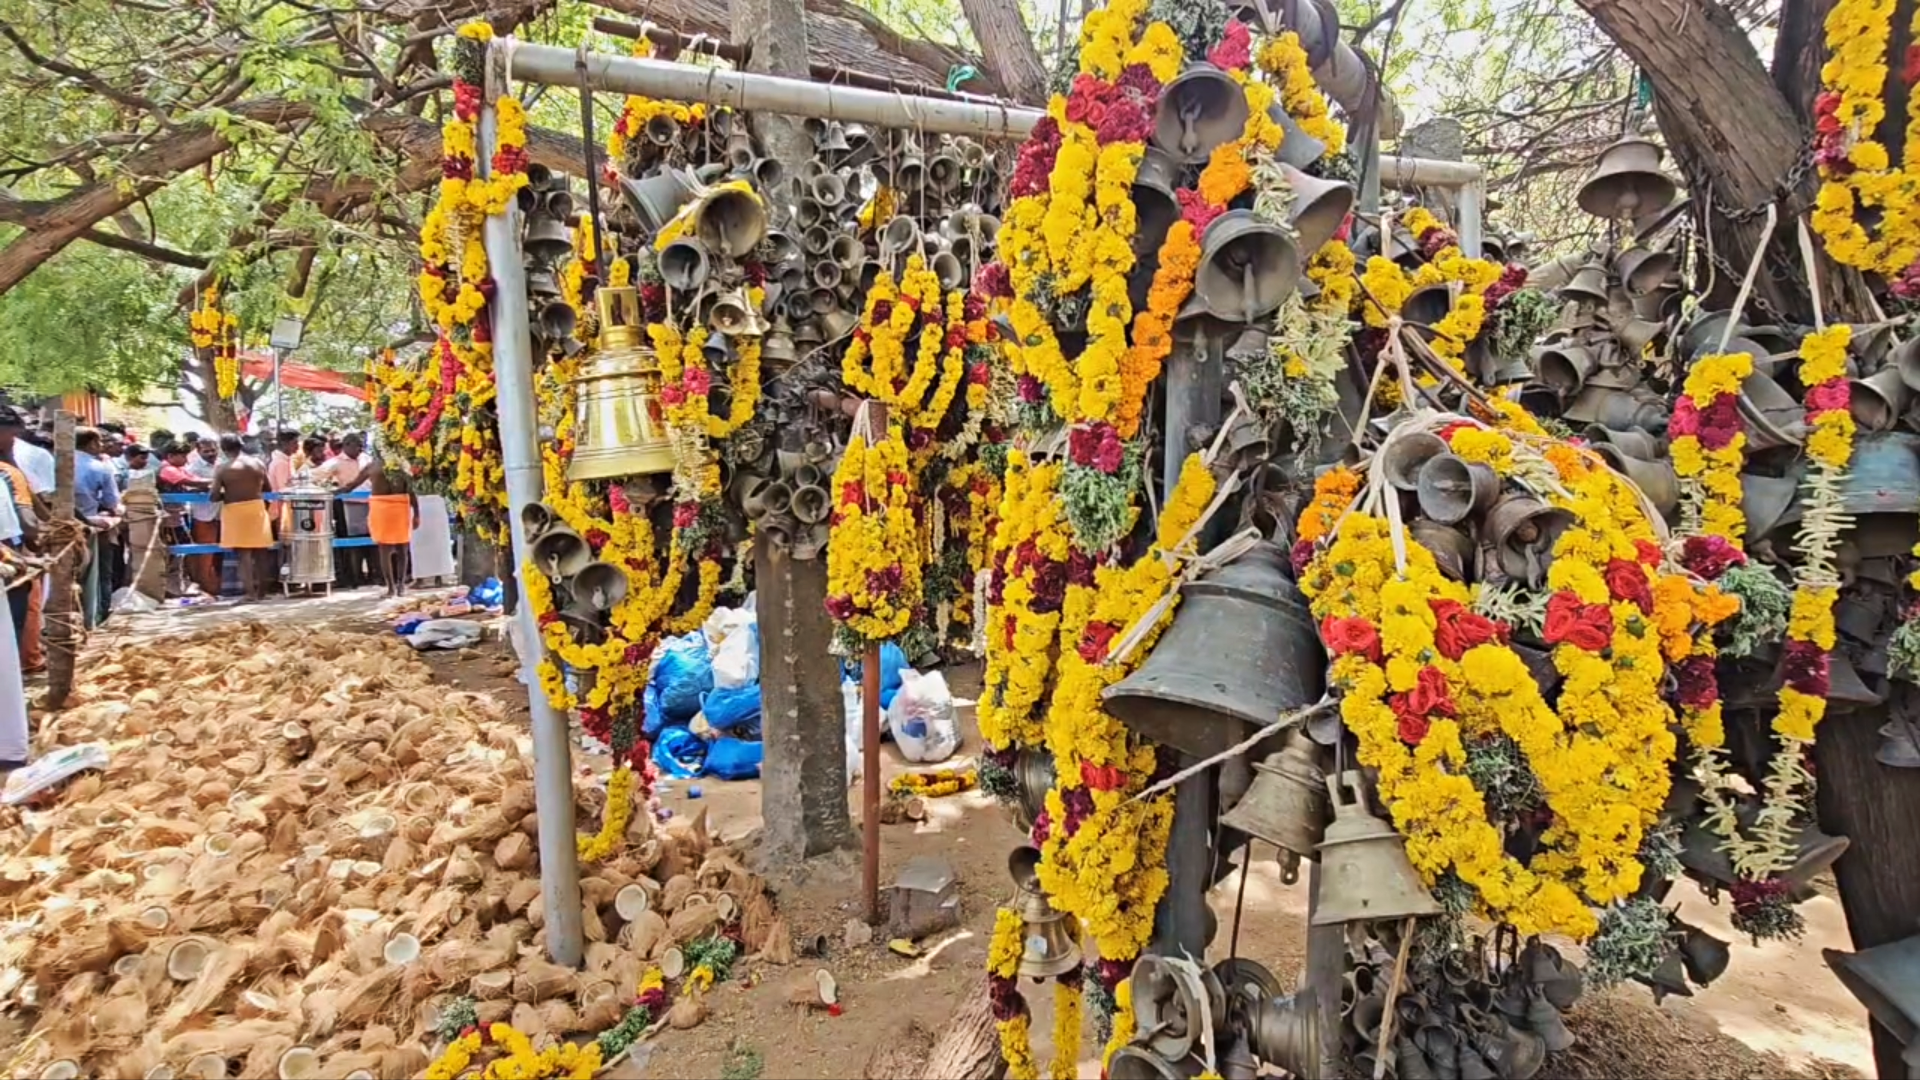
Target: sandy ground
(1779,1012)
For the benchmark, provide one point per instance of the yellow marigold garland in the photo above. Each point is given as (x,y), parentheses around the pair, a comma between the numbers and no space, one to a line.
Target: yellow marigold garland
(613,823)
(639,109)
(1284,60)
(934,785)
(1020,638)
(873,557)
(1856,170)
(1706,456)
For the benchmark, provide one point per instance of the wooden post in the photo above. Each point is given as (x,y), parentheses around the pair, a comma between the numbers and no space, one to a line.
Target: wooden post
(871,422)
(58,629)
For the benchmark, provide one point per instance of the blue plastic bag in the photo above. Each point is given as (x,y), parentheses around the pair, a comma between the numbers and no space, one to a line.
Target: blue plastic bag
(728,709)
(487,594)
(734,759)
(653,719)
(683,675)
(679,752)
(893,661)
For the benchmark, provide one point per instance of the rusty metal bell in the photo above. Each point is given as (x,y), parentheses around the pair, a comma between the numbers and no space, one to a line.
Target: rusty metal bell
(1319,206)
(1365,872)
(1286,1032)
(1287,804)
(1247,267)
(1522,530)
(1626,181)
(1197,111)
(1452,489)
(1404,454)
(1878,400)
(731,222)
(1048,946)
(1886,979)
(1242,650)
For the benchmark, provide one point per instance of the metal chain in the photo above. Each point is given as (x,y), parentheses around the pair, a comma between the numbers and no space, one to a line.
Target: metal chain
(1785,192)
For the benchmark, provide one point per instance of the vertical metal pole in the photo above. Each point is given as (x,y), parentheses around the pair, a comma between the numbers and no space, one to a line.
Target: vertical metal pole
(1471,202)
(279,403)
(873,415)
(513,378)
(1181,924)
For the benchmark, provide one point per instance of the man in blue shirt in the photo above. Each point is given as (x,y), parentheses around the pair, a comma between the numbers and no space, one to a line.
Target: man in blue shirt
(96,499)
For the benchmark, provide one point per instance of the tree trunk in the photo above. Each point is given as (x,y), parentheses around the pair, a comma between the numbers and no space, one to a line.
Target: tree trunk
(1737,141)
(1008,47)
(59,625)
(969,1045)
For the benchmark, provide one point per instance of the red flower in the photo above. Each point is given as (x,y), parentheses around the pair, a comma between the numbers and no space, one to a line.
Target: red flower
(1345,232)
(1709,556)
(1806,667)
(1649,552)
(898,478)
(1351,636)
(1458,629)
(597,538)
(1628,581)
(548,618)
(1138,79)
(672,395)
(1031,391)
(1430,695)
(1301,556)
(1197,211)
(1910,65)
(617,500)
(1412,729)
(1686,418)
(1102,777)
(1720,422)
(1698,686)
(1834,395)
(1235,48)
(697,381)
(980,374)
(1584,626)
(1096,641)
(852,493)
(685,514)
(841,608)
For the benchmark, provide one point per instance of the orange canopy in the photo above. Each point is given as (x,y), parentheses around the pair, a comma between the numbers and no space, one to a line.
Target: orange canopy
(301,376)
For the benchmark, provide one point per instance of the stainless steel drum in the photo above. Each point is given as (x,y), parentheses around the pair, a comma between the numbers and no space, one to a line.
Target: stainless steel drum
(308,536)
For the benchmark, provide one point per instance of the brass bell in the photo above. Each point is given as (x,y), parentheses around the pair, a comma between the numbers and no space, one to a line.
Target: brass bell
(1168,1003)
(767,173)
(1886,979)
(561,553)
(541,285)
(1544,1020)
(1319,206)
(1049,948)
(1626,182)
(948,269)
(1197,111)
(684,264)
(900,234)
(1247,267)
(781,247)
(1403,455)
(1452,489)
(733,313)
(739,152)
(555,321)
(623,429)
(535,520)
(833,139)
(1452,549)
(1669,977)
(1512,1053)
(1878,400)
(943,172)
(1644,270)
(1905,358)
(1139,1063)
(1899,745)
(656,199)
(730,222)
(662,130)
(1365,871)
(1589,285)
(1522,530)
(600,586)
(1156,207)
(1297,148)
(546,239)
(810,504)
(910,172)
(1287,804)
(1033,777)
(1242,650)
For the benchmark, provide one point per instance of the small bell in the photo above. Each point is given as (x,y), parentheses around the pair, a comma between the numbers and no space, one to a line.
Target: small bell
(1705,957)
(1670,977)
(1878,400)
(1049,948)
(1197,111)
(1512,1053)
(1427,305)
(684,264)
(1366,873)
(1627,182)
(546,239)
(1287,804)
(944,172)
(600,586)
(1589,285)
(535,520)
(1544,1020)
(561,553)
(1298,149)
(1644,270)
(1319,207)
(1899,745)
(1451,488)
(656,199)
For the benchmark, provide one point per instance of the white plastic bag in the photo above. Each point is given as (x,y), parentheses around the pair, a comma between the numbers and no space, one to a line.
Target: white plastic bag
(736,660)
(922,718)
(850,701)
(444,634)
(131,601)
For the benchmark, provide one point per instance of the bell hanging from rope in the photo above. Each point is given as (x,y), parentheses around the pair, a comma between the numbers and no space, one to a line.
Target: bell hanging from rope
(600,586)
(1319,206)
(1627,182)
(684,264)
(1365,873)
(1287,804)
(1247,267)
(623,430)
(1242,650)
(943,172)
(655,199)
(546,239)
(1197,111)
(731,222)
(1048,947)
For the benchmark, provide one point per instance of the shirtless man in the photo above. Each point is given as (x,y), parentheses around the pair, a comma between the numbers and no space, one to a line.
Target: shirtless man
(245,527)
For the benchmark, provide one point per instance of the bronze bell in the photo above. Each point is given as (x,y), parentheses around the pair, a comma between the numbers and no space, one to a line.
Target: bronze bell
(1627,181)
(1899,745)
(1287,804)
(1644,270)
(1452,489)
(1286,1032)
(1156,207)
(1702,856)
(1033,777)
(1140,1063)
(1589,285)
(656,199)
(1878,400)
(535,520)
(731,222)
(1704,956)
(1886,979)
(546,239)
(1049,947)
(1197,111)
(1365,871)
(684,264)
(600,586)
(1427,305)
(561,553)
(1319,207)
(1247,267)
(1297,148)
(1523,530)
(1242,650)
(1774,417)
(623,429)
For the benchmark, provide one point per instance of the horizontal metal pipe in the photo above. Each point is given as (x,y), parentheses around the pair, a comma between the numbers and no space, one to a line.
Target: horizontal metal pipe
(750,92)
(1406,172)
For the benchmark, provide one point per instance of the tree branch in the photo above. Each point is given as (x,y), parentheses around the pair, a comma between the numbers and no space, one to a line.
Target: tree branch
(145,250)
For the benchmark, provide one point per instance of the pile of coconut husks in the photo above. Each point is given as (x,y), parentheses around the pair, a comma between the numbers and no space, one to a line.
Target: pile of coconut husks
(301,854)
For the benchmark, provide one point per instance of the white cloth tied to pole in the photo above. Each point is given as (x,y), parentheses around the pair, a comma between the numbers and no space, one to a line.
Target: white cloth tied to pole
(432,544)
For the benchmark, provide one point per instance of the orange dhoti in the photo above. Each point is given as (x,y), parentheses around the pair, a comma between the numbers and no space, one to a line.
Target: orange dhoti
(246,525)
(390,519)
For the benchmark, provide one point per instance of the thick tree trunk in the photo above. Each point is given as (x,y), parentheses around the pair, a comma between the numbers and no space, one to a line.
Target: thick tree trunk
(1736,140)
(968,1047)
(62,616)
(1008,45)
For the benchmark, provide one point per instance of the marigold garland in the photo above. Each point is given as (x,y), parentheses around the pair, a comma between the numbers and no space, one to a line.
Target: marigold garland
(1028,556)
(1709,443)
(1856,170)
(613,823)
(934,785)
(1284,60)
(873,557)
(639,109)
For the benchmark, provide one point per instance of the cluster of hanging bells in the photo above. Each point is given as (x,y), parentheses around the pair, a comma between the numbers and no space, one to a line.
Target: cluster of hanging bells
(586,589)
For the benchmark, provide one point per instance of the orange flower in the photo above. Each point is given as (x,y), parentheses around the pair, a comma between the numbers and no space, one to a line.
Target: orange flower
(1226,174)
(1331,494)
(1153,327)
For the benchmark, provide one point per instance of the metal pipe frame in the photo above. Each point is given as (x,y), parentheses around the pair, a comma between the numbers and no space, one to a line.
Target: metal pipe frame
(520,454)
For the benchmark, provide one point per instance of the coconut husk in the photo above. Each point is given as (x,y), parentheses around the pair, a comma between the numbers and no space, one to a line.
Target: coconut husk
(514,853)
(692,922)
(687,1013)
(778,948)
(814,990)
(263,1058)
(591,926)
(407,1060)
(221,969)
(495,1011)
(674,894)
(521,894)
(369,996)
(600,1007)
(229,1041)
(644,935)
(537,912)
(537,981)
(528,1020)
(757,919)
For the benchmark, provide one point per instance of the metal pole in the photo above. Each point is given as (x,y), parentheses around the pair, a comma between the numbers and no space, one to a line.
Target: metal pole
(1406,172)
(513,378)
(873,420)
(279,402)
(1472,196)
(750,92)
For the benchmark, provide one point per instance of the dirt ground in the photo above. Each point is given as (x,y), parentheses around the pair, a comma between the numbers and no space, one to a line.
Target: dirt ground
(1778,1012)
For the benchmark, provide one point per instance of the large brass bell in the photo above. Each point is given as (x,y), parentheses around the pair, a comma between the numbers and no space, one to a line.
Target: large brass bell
(1242,650)
(1626,181)
(622,425)
(1364,866)
(1247,267)
(1173,1000)
(1886,979)
(1048,946)
(546,239)
(1287,804)
(731,222)
(561,553)
(1200,109)
(600,586)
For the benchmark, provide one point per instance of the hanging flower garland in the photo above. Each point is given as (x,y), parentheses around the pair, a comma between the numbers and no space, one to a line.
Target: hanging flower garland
(875,365)
(1709,443)
(1283,60)
(1857,173)
(1029,554)
(873,558)
(639,109)
(613,823)
(1011,1017)
(218,331)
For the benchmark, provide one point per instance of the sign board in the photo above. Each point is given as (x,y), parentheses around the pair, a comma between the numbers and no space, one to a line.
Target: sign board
(286,332)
